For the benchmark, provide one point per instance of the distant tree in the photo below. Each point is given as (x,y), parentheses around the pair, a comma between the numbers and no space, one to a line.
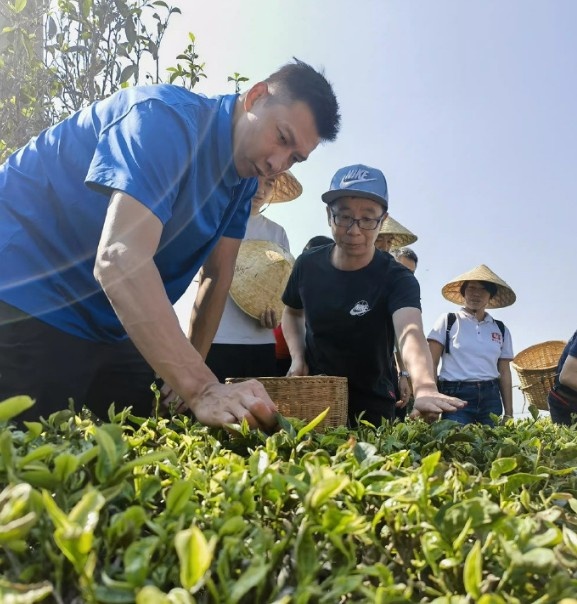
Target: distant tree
(57,56)
(94,47)
(26,84)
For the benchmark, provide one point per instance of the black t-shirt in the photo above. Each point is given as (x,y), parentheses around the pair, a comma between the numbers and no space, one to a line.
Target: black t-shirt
(348,316)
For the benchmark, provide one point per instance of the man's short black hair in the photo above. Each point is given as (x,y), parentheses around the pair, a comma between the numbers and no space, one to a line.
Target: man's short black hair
(317,241)
(301,82)
(490,287)
(405,252)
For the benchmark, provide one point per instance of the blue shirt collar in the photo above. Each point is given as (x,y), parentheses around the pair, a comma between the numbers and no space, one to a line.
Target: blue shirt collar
(225,149)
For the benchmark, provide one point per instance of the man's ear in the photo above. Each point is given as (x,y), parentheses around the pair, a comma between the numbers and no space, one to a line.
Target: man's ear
(258,91)
(385,216)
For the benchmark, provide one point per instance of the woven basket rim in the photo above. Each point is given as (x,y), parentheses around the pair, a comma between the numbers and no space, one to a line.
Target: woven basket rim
(307,396)
(324,378)
(536,381)
(545,349)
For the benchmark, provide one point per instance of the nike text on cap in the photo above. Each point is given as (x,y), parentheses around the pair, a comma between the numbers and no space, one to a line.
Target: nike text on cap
(358,181)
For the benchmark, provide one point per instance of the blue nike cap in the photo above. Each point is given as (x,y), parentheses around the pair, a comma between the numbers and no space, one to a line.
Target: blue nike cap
(358,181)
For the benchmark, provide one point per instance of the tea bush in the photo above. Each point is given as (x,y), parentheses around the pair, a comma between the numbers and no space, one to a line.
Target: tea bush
(163,510)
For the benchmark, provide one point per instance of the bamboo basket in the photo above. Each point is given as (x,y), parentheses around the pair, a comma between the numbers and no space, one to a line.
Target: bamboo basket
(536,367)
(306,397)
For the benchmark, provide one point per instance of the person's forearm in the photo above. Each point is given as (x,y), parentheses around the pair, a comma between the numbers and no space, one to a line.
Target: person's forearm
(568,375)
(570,381)
(506,389)
(207,312)
(398,358)
(140,301)
(417,359)
(506,386)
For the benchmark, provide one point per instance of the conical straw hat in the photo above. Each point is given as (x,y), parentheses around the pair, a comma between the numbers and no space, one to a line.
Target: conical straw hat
(402,235)
(505,296)
(260,277)
(286,187)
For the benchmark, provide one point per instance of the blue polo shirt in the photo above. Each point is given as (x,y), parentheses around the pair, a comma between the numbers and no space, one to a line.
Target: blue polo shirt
(569,350)
(167,147)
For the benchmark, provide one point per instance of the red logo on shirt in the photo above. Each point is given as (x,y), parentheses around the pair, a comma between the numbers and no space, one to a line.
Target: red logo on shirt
(496,336)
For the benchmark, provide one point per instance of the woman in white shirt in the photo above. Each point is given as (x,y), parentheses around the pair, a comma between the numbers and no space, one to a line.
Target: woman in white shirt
(475,350)
(243,346)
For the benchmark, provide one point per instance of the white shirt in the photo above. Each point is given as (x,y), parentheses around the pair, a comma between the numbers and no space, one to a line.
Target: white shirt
(475,347)
(236,327)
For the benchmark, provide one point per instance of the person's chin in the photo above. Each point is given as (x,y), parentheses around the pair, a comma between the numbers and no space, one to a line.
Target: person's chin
(355,249)
(246,170)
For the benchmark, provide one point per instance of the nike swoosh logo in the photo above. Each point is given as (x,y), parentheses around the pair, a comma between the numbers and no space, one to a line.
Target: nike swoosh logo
(359,310)
(348,183)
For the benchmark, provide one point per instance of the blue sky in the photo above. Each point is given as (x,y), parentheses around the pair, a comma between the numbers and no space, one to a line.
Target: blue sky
(467,107)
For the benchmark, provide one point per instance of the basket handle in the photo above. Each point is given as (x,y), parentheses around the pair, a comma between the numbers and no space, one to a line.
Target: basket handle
(539,381)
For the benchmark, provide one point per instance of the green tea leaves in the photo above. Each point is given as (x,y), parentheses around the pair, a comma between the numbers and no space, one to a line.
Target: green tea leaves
(138,558)
(473,571)
(166,511)
(17,593)
(74,532)
(195,555)
(12,407)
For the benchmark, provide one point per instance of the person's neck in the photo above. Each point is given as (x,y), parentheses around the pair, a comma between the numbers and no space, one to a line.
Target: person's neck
(347,263)
(238,110)
(237,113)
(478,314)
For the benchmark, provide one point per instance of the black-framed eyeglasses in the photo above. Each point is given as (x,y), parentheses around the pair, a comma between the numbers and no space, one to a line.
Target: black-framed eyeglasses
(367,224)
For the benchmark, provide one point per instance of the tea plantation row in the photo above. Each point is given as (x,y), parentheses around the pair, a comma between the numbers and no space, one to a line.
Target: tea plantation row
(167,511)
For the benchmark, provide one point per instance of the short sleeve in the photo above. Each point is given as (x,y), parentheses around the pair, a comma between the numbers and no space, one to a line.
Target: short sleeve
(439,331)
(236,228)
(284,243)
(291,296)
(406,292)
(507,349)
(146,153)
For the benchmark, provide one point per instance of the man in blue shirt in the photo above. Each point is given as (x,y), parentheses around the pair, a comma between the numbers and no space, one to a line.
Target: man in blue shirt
(106,217)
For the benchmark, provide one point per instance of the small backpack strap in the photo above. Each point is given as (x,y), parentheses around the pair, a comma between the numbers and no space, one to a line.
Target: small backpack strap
(501,327)
(451,318)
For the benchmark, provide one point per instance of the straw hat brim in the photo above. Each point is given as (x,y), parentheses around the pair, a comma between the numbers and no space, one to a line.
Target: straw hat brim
(505,296)
(260,277)
(401,235)
(286,188)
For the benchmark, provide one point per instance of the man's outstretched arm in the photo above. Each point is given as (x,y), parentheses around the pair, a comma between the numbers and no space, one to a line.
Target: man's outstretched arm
(126,270)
